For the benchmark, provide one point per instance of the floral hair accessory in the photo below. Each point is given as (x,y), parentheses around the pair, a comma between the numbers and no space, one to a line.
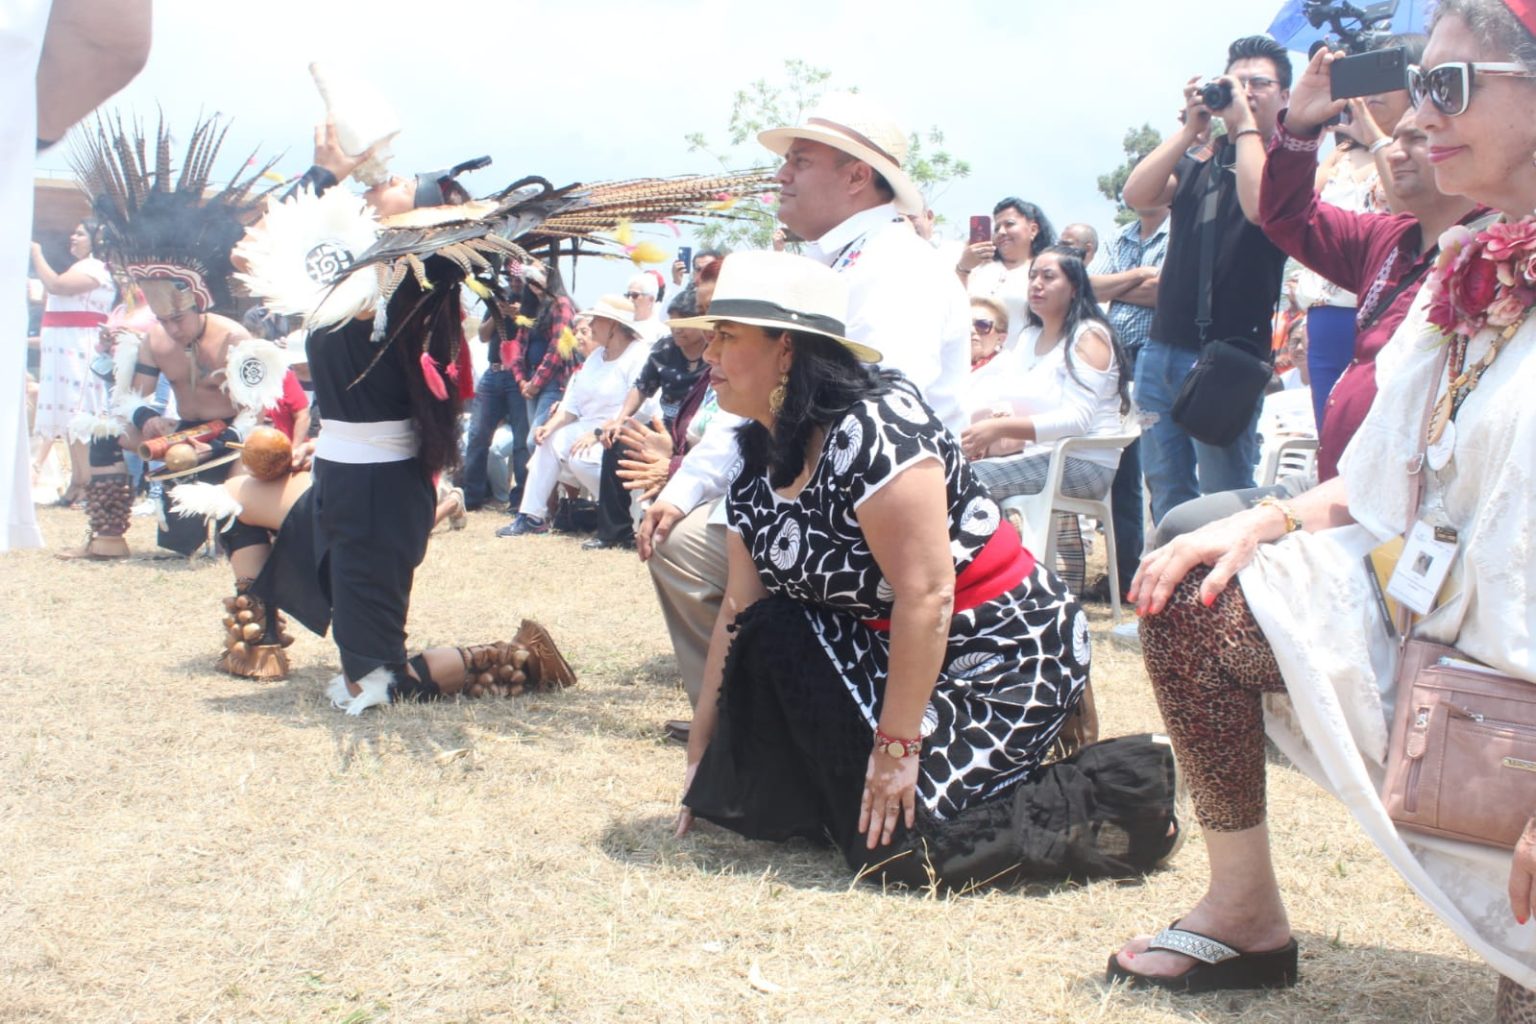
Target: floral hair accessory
(1483,280)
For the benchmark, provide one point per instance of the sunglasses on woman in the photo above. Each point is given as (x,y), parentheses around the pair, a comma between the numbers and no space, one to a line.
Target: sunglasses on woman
(983,326)
(1449,86)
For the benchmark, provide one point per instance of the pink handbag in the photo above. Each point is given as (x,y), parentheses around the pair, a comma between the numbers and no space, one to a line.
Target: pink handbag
(1462,758)
(1461,761)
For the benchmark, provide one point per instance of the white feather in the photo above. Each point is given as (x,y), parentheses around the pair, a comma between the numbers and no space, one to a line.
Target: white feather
(254,375)
(85,427)
(338,693)
(125,356)
(206,501)
(363,118)
(375,690)
(295,254)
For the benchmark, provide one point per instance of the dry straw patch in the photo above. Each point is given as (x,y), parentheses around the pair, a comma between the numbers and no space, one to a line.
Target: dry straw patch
(182,846)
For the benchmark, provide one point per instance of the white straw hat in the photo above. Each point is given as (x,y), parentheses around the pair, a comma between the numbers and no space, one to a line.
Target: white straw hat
(616,308)
(781,290)
(854,125)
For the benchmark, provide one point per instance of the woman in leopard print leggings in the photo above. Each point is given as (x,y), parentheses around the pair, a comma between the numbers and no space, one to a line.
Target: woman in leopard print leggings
(1303,620)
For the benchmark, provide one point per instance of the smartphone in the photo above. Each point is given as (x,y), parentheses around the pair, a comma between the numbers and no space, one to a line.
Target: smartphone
(981,228)
(1368,74)
(685,256)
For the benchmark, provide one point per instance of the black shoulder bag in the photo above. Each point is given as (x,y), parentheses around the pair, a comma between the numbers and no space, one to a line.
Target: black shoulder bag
(1216,402)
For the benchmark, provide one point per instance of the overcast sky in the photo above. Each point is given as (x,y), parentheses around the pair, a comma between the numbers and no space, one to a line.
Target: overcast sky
(1036,95)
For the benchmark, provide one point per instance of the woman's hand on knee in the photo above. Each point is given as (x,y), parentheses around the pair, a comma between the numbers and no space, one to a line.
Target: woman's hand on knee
(1522,873)
(1226,545)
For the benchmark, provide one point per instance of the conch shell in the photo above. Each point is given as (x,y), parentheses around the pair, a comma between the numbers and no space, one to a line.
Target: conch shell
(363,118)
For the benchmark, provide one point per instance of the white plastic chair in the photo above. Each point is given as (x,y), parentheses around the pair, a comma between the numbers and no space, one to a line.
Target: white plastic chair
(1036,510)
(1295,456)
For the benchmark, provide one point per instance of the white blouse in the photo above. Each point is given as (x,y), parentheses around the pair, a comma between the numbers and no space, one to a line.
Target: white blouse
(1076,402)
(597,390)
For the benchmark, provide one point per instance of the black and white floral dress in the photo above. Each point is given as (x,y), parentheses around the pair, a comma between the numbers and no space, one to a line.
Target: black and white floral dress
(1015,666)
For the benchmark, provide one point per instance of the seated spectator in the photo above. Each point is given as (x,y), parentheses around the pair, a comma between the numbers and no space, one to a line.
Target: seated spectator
(999,269)
(645,290)
(570,441)
(889,668)
(672,372)
(1278,599)
(1063,380)
(989,326)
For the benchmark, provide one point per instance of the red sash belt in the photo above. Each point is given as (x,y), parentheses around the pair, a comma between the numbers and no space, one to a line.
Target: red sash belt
(1000,566)
(73,318)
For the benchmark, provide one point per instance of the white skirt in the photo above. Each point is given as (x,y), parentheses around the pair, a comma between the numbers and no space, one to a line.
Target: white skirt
(1312,598)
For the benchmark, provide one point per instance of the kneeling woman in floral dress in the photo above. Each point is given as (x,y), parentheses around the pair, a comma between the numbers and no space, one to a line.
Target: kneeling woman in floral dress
(890,667)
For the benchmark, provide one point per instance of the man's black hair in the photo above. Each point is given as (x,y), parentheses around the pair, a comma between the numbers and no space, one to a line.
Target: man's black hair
(1250,47)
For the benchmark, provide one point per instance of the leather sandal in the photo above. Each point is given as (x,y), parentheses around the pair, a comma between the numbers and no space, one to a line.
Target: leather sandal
(1219,966)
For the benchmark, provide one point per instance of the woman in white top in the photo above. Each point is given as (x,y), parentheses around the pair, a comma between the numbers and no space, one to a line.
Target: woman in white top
(999,269)
(79,300)
(1061,380)
(1277,598)
(569,439)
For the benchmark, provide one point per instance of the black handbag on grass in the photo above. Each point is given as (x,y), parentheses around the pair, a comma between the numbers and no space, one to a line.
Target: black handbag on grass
(1216,402)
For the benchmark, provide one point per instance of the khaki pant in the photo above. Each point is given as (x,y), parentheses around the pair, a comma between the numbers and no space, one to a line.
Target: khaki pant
(688,569)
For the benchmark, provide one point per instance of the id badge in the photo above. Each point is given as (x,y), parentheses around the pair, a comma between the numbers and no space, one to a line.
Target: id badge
(1422,568)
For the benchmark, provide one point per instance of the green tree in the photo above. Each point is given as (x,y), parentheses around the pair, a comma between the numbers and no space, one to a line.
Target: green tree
(1138,143)
(767,104)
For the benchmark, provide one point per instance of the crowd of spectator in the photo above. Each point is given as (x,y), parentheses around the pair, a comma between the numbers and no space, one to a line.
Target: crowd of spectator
(904,390)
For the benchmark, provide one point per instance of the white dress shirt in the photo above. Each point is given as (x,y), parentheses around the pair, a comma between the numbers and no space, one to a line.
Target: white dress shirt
(904,301)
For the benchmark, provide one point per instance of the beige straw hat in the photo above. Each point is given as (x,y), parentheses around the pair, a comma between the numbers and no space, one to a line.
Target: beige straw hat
(854,125)
(616,308)
(784,291)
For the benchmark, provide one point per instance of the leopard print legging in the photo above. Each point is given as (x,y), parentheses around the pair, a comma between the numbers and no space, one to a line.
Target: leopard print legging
(1210,668)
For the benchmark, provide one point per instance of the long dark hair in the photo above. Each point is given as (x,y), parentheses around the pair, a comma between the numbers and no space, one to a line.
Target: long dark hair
(546,309)
(1045,237)
(1084,308)
(416,317)
(825,380)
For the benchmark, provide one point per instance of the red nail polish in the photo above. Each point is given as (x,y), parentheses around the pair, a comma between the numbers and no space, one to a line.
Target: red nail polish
(1207,599)
(1129,956)
(1519,919)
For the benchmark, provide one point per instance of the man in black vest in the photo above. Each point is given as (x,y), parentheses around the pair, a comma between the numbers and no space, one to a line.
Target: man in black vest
(1247,266)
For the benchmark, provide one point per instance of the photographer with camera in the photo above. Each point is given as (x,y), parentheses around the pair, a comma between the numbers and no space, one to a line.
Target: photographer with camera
(1241,271)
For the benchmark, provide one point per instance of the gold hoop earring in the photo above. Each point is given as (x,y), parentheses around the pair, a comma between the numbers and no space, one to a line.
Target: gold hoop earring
(776,396)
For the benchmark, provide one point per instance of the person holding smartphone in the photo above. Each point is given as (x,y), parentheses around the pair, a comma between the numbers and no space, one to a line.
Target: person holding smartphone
(997,267)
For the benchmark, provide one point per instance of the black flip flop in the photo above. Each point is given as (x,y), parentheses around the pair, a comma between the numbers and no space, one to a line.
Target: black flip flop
(1220,967)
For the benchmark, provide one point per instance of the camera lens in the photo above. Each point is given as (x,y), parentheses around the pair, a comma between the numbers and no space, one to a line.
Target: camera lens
(1216,95)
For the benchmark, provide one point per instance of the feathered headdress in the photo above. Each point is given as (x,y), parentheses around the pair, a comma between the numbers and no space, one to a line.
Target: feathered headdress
(309,256)
(160,223)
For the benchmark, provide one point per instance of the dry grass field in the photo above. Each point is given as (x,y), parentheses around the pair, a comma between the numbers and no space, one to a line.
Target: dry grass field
(177,845)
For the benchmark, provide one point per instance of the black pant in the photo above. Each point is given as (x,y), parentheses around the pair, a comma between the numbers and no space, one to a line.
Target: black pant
(614,522)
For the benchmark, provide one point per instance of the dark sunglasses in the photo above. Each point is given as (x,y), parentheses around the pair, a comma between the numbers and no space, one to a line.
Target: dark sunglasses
(632,296)
(1449,86)
(983,326)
